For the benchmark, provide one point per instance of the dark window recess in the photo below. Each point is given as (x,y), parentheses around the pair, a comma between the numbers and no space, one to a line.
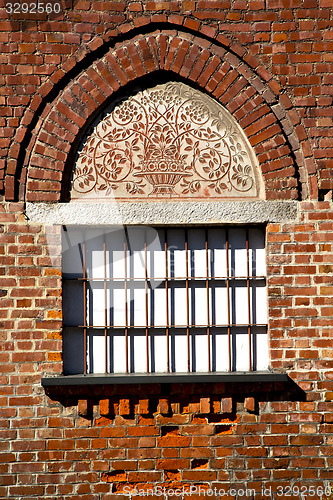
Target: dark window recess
(170,300)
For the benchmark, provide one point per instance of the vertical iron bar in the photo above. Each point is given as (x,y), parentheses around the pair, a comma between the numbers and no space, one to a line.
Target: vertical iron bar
(166,297)
(248,296)
(228,294)
(105,310)
(125,286)
(84,307)
(207,292)
(187,304)
(146,301)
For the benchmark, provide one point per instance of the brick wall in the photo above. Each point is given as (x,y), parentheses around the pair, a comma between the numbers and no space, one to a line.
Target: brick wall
(84,443)
(269,63)
(278,49)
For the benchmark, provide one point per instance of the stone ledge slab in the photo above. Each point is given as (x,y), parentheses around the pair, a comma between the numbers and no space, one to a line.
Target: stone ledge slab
(164,213)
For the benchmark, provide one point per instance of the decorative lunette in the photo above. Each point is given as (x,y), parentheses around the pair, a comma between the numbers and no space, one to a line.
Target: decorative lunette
(167,141)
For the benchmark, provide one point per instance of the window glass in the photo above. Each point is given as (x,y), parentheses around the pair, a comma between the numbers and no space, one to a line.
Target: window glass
(142,299)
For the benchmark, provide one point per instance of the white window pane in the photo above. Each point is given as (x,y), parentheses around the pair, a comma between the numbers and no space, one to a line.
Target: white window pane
(240,343)
(260,343)
(137,351)
(196,245)
(136,298)
(96,304)
(239,303)
(135,243)
(158,305)
(237,256)
(177,304)
(257,245)
(94,253)
(118,264)
(220,350)
(199,343)
(72,256)
(97,264)
(259,303)
(155,252)
(115,246)
(156,266)
(95,351)
(217,245)
(117,301)
(219,304)
(118,352)
(158,342)
(178,350)
(199,304)
(176,253)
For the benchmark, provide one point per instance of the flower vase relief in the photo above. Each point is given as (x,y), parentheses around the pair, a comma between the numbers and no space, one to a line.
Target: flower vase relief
(170,141)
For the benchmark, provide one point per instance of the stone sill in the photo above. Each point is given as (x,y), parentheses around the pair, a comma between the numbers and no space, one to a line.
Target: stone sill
(163,378)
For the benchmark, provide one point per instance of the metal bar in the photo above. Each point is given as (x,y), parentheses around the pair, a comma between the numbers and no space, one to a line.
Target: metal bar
(248,296)
(228,294)
(105,309)
(125,287)
(84,308)
(187,304)
(146,302)
(166,297)
(212,325)
(174,278)
(207,292)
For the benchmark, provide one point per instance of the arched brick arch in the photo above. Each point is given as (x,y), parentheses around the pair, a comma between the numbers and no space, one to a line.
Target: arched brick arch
(252,96)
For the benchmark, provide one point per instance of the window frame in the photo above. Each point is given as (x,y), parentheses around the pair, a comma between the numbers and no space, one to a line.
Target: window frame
(249,277)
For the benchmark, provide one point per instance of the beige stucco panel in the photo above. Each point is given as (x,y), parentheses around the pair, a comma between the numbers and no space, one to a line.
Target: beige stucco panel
(166,142)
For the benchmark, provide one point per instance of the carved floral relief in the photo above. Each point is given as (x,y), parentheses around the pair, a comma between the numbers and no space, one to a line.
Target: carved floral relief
(169,141)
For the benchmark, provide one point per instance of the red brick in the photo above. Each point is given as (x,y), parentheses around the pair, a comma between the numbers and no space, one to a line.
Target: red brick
(249,404)
(82,407)
(124,407)
(204,405)
(163,406)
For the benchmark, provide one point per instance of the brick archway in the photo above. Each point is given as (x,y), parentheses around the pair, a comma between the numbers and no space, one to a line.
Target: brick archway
(268,119)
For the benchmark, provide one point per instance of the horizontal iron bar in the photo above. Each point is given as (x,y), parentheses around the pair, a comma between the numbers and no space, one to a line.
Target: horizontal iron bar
(155,327)
(171,278)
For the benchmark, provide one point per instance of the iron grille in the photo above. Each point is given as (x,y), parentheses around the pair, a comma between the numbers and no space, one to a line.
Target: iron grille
(142,299)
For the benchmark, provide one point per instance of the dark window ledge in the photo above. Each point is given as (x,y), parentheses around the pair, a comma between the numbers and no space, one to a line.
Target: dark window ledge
(163,378)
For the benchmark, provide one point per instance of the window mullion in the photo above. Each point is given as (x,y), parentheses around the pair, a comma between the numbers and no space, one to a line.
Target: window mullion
(187,303)
(228,295)
(166,297)
(126,312)
(146,300)
(105,308)
(207,292)
(248,296)
(84,306)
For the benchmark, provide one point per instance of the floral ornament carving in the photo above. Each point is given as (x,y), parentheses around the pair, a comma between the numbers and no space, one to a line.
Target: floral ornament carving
(167,141)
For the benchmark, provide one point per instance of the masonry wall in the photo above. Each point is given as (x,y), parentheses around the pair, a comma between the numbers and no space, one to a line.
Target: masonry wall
(281,48)
(269,63)
(96,443)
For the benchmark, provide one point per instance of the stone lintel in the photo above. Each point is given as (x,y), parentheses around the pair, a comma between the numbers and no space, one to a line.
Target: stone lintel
(163,213)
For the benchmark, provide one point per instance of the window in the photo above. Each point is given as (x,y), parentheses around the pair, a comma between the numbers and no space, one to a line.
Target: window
(158,300)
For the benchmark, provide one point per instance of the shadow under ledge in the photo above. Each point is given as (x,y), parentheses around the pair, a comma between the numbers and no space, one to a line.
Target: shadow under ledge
(264,386)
